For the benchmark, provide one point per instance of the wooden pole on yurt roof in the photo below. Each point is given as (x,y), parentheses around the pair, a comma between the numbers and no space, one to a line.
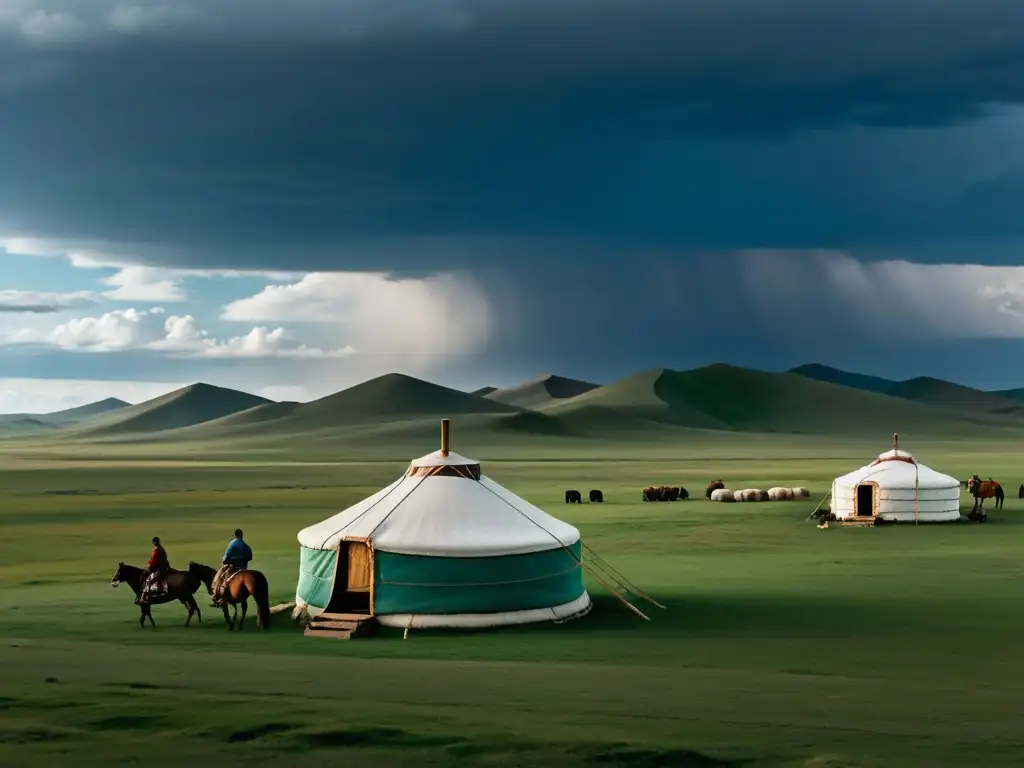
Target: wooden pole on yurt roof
(445,433)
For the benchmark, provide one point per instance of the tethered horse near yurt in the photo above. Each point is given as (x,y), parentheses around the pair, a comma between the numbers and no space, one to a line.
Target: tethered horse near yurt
(445,546)
(984,489)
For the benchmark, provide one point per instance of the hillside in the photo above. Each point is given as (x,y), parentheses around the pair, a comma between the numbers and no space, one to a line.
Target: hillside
(89,410)
(483,391)
(538,394)
(925,389)
(383,401)
(1012,394)
(194,404)
(26,423)
(831,375)
(727,397)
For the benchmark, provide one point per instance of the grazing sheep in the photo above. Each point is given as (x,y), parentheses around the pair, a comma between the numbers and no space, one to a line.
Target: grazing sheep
(800,493)
(747,494)
(573,497)
(762,495)
(756,494)
(653,493)
(685,494)
(596,496)
(713,486)
(722,494)
(740,495)
(780,494)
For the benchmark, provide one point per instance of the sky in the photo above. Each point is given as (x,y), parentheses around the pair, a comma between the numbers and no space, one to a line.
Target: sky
(290,198)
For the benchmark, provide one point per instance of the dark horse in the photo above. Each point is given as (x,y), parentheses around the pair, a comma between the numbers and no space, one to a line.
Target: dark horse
(985,489)
(236,591)
(181,586)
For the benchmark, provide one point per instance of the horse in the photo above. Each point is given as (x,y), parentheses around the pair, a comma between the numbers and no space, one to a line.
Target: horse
(236,591)
(181,586)
(985,489)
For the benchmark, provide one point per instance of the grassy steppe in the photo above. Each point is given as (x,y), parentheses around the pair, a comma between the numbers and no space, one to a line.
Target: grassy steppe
(781,645)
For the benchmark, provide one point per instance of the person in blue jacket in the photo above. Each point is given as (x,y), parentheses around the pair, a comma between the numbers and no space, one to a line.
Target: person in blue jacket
(236,558)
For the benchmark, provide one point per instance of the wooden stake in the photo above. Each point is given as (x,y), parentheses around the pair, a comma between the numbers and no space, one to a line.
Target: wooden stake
(445,432)
(615,592)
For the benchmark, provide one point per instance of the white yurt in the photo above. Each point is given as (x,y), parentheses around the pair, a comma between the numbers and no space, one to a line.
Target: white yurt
(443,546)
(895,487)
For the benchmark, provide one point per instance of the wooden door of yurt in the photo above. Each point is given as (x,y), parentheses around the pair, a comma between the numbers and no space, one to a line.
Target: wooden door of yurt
(353,581)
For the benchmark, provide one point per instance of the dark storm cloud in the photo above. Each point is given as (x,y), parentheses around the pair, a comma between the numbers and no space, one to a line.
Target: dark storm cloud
(421,136)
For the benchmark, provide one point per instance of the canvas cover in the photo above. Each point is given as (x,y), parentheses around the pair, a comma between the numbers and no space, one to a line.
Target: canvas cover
(905,490)
(444,516)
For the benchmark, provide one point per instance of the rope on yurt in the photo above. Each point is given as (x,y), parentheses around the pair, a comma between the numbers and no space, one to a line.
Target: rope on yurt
(366,511)
(622,580)
(824,498)
(483,583)
(389,514)
(917,491)
(578,560)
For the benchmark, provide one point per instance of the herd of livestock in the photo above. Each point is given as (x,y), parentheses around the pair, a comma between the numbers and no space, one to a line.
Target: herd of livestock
(716,491)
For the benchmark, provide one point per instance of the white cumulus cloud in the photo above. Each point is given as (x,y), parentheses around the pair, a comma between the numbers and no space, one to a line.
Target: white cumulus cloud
(137,283)
(176,335)
(438,316)
(43,302)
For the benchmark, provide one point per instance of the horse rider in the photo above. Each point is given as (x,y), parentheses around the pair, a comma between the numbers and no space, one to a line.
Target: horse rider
(236,558)
(158,566)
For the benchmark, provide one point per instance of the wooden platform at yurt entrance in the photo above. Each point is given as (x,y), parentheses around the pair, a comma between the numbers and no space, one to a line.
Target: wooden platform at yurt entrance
(341,626)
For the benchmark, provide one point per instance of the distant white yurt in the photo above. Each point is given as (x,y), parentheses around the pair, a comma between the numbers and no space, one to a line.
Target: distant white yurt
(443,546)
(895,487)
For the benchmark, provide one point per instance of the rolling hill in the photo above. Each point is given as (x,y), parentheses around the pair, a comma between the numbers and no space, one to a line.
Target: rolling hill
(925,389)
(483,391)
(1012,394)
(831,375)
(24,423)
(728,397)
(538,394)
(385,400)
(194,404)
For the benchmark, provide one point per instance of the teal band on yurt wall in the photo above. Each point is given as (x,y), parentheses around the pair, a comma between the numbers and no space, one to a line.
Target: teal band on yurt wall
(316,575)
(438,585)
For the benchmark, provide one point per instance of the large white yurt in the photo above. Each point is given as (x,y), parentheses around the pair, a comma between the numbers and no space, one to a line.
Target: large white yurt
(443,546)
(895,487)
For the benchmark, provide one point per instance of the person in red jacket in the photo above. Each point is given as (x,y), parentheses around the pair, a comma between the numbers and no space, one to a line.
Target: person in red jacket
(158,565)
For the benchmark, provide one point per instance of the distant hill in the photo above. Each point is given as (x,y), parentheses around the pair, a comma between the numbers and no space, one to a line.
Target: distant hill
(538,394)
(33,422)
(825,373)
(483,391)
(728,397)
(925,389)
(1012,394)
(393,397)
(194,404)
(14,424)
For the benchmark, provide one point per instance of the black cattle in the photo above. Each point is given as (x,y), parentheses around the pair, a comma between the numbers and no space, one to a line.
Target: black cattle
(683,494)
(596,496)
(573,497)
(1020,493)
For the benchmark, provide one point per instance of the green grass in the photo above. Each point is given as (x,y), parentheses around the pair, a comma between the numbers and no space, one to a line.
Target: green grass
(781,645)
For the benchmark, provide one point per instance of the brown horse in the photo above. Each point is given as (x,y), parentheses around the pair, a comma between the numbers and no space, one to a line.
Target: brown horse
(985,489)
(181,586)
(236,591)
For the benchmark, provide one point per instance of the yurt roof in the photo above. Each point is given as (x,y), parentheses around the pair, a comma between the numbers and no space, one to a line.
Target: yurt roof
(462,514)
(898,469)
